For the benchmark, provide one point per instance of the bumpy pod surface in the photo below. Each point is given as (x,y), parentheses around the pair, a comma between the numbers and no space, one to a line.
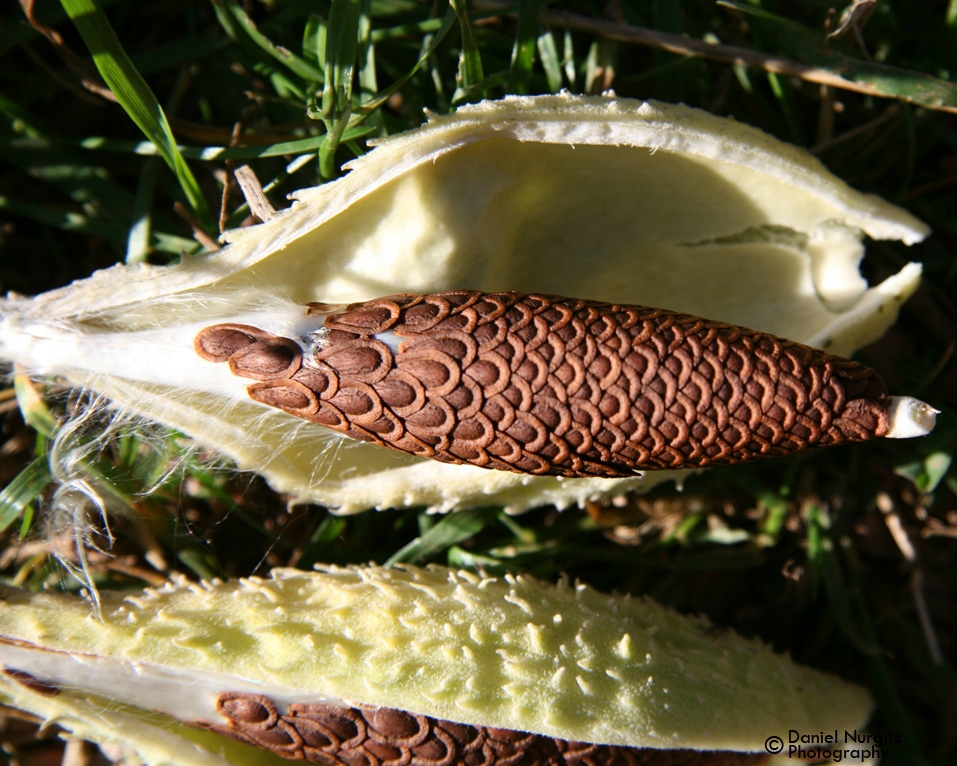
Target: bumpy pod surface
(554,386)
(396,663)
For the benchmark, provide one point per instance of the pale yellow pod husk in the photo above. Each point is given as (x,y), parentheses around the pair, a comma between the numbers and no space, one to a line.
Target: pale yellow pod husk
(512,652)
(592,197)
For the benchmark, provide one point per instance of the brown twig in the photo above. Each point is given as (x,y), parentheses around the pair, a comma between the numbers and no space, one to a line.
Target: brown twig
(82,92)
(853,19)
(199,234)
(76,63)
(937,528)
(892,519)
(234,136)
(214,135)
(259,205)
(689,46)
(889,114)
(90,88)
(940,183)
(248,182)
(825,116)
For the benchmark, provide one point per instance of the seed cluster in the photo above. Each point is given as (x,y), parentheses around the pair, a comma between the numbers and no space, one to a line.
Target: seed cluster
(378,736)
(554,386)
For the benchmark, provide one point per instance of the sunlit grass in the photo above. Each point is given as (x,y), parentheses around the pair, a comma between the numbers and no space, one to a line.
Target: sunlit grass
(806,552)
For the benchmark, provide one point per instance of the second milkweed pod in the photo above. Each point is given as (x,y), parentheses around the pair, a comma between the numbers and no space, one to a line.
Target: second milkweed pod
(659,205)
(545,385)
(411,665)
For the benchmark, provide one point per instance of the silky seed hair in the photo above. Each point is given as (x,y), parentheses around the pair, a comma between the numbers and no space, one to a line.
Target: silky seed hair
(544,385)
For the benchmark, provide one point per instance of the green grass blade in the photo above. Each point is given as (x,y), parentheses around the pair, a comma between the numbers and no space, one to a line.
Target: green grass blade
(241,28)
(523,51)
(826,568)
(187,50)
(403,31)
(808,45)
(200,562)
(77,222)
(548,52)
(785,98)
(321,545)
(314,40)
(667,15)
(72,174)
(775,511)
(677,66)
(34,410)
(380,98)
(138,240)
(342,46)
(451,530)
(568,59)
(21,120)
(471,73)
(206,153)
(20,493)
(891,709)
(592,67)
(910,134)
(927,472)
(368,82)
(463,559)
(481,89)
(135,96)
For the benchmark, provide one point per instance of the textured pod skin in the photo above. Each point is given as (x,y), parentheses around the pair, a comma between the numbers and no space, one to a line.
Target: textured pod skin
(546,385)
(379,736)
(282,660)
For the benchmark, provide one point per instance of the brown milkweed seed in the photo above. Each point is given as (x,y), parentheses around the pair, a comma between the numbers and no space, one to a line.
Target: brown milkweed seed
(339,736)
(556,386)
(33,683)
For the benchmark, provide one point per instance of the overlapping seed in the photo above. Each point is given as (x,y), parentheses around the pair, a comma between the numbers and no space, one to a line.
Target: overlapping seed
(377,736)
(555,386)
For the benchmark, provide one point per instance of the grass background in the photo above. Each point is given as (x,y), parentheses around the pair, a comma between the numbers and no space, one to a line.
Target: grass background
(122,125)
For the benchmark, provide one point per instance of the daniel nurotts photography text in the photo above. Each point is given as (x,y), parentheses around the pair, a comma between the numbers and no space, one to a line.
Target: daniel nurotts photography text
(836,746)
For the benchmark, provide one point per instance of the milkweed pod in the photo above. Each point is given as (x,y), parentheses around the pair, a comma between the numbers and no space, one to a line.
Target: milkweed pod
(543,385)
(410,664)
(601,198)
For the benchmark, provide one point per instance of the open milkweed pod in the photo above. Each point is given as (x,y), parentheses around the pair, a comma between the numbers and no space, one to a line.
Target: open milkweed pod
(600,198)
(282,661)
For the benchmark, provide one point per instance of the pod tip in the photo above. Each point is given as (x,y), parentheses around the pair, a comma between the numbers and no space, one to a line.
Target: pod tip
(910,417)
